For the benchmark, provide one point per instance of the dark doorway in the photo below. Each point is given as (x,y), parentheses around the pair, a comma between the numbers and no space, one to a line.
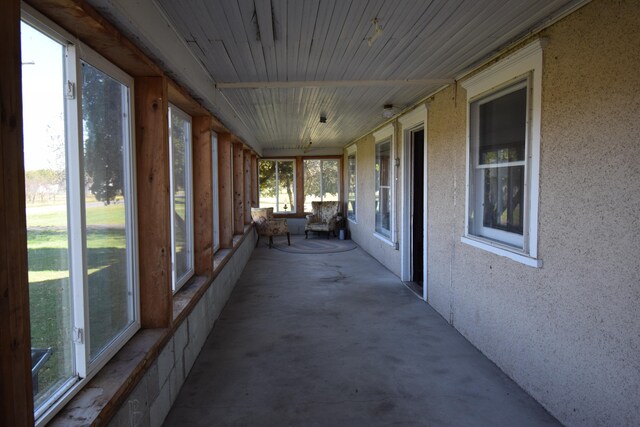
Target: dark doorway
(417,207)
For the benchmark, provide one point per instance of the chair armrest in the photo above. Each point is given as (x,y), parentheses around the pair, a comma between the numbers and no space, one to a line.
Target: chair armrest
(311,218)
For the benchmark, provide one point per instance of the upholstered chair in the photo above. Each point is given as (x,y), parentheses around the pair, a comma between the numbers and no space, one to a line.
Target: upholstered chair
(323,218)
(267,225)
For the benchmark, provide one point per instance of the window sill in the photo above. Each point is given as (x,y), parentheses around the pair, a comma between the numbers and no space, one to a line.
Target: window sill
(383,238)
(502,250)
(352,221)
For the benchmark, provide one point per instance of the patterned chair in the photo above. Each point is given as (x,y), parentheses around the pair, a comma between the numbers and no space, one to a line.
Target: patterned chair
(268,226)
(323,218)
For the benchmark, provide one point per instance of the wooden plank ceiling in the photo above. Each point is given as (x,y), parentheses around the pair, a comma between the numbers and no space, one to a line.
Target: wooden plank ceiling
(336,41)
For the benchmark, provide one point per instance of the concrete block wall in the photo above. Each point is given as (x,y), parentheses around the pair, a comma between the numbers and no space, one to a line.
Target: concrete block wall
(151,400)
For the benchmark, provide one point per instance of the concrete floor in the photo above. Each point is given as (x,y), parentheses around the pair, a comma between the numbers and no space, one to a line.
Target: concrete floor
(337,340)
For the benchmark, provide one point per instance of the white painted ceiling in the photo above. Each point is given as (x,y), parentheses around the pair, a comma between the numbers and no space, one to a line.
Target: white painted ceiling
(286,46)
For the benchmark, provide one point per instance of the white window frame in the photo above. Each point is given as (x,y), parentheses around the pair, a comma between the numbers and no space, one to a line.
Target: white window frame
(215,191)
(83,366)
(523,65)
(176,281)
(352,150)
(383,135)
(294,207)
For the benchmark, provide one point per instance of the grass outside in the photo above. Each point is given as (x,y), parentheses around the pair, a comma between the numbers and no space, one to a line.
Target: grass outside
(49,294)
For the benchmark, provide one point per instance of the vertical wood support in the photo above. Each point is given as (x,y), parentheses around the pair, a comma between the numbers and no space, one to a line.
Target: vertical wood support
(238,188)
(225,191)
(202,191)
(247,186)
(254,181)
(154,205)
(16,403)
(299,186)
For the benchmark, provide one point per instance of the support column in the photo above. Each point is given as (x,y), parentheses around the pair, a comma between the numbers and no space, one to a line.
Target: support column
(16,402)
(238,188)
(254,181)
(202,191)
(154,204)
(225,191)
(247,186)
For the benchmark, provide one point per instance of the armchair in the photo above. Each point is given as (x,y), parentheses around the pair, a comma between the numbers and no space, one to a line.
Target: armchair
(323,218)
(268,226)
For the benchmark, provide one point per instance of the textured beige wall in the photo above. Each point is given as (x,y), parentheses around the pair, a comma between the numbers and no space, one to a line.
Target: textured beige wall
(569,332)
(362,232)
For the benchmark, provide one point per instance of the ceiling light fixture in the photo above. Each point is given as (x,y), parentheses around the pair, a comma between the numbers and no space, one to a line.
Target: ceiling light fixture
(323,118)
(377,31)
(387,111)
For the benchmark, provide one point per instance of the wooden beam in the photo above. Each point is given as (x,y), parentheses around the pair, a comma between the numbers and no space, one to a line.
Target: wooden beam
(202,193)
(16,402)
(299,186)
(238,188)
(84,22)
(154,203)
(331,84)
(254,180)
(225,191)
(247,186)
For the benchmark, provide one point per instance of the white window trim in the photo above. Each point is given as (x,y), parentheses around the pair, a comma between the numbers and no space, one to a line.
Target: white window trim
(383,134)
(526,61)
(188,169)
(84,368)
(352,150)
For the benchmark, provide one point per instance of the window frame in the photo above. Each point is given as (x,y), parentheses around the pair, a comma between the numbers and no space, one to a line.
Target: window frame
(338,177)
(294,206)
(384,135)
(522,66)
(84,368)
(178,282)
(352,151)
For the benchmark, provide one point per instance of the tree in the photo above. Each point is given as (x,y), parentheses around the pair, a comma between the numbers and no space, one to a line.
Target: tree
(102,115)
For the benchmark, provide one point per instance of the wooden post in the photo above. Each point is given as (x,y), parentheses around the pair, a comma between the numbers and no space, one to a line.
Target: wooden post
(154,204)
(254,181)
(299,186)
(225,191)
(16,402)
(202,191)
(238,188)
(247,187)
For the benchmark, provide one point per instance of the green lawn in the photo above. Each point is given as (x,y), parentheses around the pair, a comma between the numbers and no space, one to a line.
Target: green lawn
(49,283)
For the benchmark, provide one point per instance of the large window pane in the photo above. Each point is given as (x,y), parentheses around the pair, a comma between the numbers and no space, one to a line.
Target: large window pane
(47,233)
(181,188)
(277,185)
(106,133)
(498,147)
(383,188)
(321,181)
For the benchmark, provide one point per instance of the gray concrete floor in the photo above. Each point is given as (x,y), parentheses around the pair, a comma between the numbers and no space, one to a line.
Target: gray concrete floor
(336,339)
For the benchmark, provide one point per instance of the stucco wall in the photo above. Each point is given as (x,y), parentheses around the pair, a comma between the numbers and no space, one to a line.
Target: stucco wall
(362,232)
(568,332)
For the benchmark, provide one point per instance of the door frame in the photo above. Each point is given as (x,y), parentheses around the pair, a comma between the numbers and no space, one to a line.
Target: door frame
(412,122)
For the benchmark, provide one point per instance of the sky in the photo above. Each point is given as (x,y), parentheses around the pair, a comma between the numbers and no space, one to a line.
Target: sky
(43,100)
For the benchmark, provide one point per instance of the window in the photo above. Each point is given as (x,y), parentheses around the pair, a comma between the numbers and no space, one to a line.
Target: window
(383,194)
(181,196)
(214,191)
(277,185)
(351,183)
(79,181)
(321,181)
(503,156)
